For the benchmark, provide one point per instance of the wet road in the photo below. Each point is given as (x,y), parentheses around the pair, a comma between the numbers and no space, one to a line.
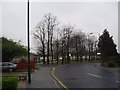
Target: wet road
(87,75)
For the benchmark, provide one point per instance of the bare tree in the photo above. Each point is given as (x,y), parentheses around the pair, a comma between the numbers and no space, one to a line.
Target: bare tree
(77,45)
(50,22)
(69,44)
(56,49)
(74,46)
(90,43)
(81,42)
(39,34)
(44,33)
(62,45)
(68,29)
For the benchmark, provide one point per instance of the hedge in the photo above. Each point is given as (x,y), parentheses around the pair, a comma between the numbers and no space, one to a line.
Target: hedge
(9,83)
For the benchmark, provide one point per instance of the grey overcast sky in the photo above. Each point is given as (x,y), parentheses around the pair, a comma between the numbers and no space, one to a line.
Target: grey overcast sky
(88,16)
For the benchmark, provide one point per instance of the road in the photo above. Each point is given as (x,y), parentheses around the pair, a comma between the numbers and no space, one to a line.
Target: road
(87,75)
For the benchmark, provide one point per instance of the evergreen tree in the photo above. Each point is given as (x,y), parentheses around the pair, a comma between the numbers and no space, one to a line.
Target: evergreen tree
(11,49)
(106,45)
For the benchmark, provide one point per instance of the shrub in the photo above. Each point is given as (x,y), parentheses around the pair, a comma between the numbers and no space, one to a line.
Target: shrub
(9,83)
(111,64)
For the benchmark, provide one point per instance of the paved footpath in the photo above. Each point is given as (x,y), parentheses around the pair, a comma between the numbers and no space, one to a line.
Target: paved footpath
(41,78)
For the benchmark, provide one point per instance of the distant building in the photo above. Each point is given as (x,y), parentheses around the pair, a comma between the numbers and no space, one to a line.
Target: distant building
(33,57)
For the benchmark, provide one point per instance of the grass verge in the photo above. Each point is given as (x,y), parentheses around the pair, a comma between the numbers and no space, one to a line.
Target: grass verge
(71,62)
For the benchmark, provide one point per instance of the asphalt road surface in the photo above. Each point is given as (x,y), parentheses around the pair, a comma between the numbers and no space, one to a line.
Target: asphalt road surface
(87,75)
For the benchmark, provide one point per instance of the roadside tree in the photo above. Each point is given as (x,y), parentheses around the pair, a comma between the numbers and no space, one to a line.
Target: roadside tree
(11,49)
(44,34)
(106,45)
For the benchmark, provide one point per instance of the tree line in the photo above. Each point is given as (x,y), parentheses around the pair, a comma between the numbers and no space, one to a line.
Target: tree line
(62,43)
(65,42)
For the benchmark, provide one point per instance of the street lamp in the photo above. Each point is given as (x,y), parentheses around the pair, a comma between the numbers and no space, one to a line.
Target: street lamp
(29,68)
(96,42)
(89,45)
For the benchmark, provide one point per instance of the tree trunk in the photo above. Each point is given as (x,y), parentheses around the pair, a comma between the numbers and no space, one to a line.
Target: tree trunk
(77,54)
(62,54)
(51,50)
(68,57)
(43,54)
(81,58)
(48,49)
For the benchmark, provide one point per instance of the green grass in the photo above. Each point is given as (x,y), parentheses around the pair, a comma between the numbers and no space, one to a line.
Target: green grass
(0,79)
(54,63)
(71,62)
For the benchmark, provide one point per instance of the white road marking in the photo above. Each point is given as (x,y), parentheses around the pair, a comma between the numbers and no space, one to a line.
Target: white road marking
(94,75)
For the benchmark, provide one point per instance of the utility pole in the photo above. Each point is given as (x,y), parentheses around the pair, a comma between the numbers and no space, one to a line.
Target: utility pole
(29,68)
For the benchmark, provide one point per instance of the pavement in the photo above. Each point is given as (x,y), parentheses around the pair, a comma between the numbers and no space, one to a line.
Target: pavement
(21,84)
(41,78)
(87,75)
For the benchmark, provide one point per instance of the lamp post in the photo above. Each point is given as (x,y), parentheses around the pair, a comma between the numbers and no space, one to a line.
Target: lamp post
(89,45)
(96,42)
(29,68)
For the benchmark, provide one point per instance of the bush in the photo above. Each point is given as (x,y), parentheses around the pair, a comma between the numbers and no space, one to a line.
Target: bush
(111,64)
(9,83)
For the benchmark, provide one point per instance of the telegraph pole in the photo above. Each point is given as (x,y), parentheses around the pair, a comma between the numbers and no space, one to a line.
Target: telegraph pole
(29,68)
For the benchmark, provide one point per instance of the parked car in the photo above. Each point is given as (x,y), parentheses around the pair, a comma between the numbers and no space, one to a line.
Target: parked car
(8,66)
